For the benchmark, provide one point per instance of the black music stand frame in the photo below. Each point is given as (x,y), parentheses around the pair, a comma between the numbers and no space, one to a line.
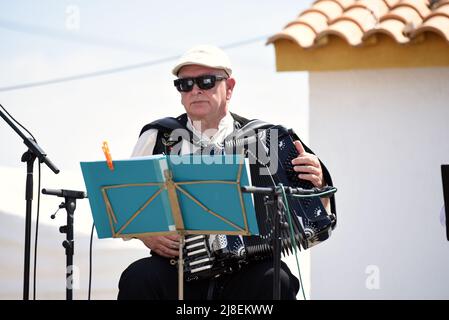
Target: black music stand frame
(34,151)
(274,198)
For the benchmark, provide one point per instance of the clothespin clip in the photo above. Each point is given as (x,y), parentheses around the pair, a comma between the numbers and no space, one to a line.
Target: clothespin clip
(107,154)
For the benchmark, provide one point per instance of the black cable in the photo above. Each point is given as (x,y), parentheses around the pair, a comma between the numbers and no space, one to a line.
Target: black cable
(37,229)
(20,125)
(87,75)
(90,261)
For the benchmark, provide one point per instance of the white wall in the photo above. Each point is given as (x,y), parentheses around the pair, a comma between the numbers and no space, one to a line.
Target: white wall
(384,135)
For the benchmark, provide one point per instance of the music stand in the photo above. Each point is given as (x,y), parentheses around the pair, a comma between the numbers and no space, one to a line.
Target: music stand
(166,195)
(445,178)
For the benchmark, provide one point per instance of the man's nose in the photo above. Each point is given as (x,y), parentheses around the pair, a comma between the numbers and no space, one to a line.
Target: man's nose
(196,89)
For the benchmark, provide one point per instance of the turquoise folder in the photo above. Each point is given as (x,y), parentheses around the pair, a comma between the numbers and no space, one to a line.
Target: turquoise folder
(160,195)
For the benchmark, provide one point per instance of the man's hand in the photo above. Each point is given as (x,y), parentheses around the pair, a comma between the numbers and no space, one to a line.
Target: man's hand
(308,166)
(166,246)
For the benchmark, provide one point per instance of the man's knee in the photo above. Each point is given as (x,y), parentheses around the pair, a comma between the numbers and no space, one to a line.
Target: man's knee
(131,280)
(142,278)
(259,280)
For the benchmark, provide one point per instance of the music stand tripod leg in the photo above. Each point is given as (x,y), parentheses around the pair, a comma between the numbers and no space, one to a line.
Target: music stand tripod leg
(181,267)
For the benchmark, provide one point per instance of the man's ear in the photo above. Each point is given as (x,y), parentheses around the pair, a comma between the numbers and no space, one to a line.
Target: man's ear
(230,84)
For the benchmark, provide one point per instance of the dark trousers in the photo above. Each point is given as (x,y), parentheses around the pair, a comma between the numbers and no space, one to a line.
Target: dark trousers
(154,278)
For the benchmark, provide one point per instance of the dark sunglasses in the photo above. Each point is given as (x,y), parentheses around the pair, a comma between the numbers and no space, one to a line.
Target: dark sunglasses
(205,82)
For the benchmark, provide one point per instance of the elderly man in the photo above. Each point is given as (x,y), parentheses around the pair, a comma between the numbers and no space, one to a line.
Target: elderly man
(205,84)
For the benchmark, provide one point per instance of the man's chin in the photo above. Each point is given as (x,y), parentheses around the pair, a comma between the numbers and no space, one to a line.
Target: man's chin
(198,112)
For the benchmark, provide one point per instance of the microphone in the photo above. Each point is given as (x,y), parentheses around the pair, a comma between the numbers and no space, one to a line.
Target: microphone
(65,193)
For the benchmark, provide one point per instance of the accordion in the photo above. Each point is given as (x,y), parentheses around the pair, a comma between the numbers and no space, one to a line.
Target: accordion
(270,152)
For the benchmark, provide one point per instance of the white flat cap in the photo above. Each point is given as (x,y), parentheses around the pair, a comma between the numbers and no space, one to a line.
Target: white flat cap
(204,55)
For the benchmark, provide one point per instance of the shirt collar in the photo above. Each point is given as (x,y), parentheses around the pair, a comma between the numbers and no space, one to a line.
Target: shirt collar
(225,128)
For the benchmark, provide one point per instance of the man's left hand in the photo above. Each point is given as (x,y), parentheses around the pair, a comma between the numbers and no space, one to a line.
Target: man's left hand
(308,166)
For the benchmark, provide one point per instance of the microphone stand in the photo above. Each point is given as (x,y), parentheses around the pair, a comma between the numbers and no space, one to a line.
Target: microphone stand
(276,194)
(34,151)
(276,200)
(69,204)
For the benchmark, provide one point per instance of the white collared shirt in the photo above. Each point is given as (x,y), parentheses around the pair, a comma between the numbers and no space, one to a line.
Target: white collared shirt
(146,142)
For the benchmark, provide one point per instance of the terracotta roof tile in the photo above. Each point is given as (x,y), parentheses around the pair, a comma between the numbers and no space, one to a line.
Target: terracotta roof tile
(391,3)
(392,27)
(363,17)
(443,6)
(405,14)
(420,6)
(331,9)
(316,21)
(441,3)
(346,29)
(377,7)
(305,41)
(344,3)
(437,22)
(356,21)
